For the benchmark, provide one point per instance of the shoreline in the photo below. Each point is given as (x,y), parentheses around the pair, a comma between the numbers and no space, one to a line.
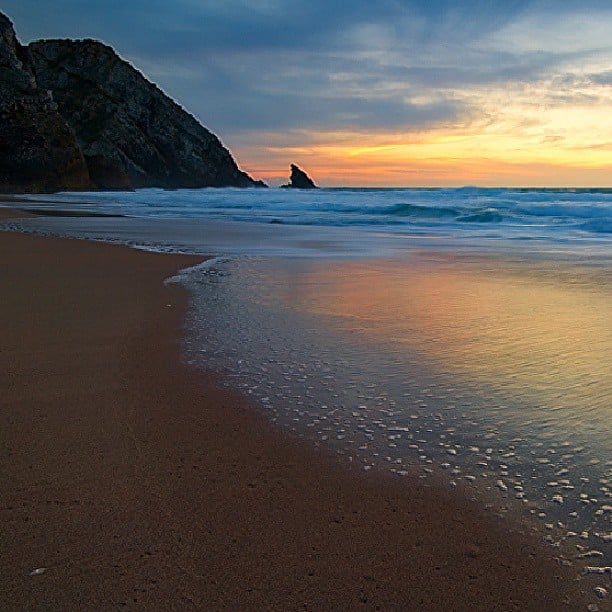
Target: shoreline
(138,481)
(13,211)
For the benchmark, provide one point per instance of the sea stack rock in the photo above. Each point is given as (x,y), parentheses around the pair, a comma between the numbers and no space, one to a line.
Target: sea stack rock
(299,180)
(38,150)
(131,134)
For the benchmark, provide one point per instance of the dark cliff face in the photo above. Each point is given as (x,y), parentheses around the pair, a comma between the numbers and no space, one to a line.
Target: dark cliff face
(299,179)
(38,150)
(130,132)
(75,116)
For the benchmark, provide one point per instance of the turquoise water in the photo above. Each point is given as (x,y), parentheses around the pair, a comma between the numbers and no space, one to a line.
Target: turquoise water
(578,217)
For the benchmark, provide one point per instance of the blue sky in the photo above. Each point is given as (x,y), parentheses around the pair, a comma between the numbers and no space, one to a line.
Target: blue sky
(344,87)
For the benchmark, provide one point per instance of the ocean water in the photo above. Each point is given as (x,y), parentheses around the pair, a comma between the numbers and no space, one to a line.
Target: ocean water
(459,333)
(581,216)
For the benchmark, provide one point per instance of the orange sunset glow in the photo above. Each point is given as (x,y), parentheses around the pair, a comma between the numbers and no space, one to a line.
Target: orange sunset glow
(532,144)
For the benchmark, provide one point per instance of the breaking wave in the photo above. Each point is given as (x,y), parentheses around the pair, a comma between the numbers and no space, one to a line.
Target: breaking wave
(549,214)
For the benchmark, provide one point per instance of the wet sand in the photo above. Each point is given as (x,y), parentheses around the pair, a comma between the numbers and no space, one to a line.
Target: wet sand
(138,482)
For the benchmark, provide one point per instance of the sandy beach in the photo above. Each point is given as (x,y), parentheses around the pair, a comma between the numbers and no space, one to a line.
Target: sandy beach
(130,480)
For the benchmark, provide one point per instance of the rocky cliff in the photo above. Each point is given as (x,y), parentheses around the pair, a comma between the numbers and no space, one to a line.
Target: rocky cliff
(74,115)
(38,150)
(299,180)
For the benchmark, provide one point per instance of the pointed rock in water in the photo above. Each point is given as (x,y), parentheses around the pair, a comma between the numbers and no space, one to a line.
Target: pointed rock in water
(299,179)
(38,150)
(75,116)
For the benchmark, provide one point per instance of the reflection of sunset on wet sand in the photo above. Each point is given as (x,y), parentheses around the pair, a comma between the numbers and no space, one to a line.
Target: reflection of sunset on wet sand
(528,333)
(490,371)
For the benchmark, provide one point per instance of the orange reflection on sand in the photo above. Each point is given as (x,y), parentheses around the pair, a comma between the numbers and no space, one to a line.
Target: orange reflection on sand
(531,330)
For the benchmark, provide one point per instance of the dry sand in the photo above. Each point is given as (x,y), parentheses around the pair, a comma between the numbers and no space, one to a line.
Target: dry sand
(138,482)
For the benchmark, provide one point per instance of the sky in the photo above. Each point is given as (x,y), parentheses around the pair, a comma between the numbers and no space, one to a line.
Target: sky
(374,93)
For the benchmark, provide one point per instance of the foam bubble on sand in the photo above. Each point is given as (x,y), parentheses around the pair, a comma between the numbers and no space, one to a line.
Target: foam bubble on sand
(601,571)
(501,485)
(601,592)
(590,554)
(209,265)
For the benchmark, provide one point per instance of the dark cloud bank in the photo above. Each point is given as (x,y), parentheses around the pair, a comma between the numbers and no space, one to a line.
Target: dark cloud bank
(268,65)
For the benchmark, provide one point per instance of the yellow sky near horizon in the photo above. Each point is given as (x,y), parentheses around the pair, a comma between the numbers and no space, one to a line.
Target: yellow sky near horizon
(536,135)
(523,102)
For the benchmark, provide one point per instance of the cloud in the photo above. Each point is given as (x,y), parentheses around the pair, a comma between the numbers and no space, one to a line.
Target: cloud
(183,26)
(265,64)
(602,78)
